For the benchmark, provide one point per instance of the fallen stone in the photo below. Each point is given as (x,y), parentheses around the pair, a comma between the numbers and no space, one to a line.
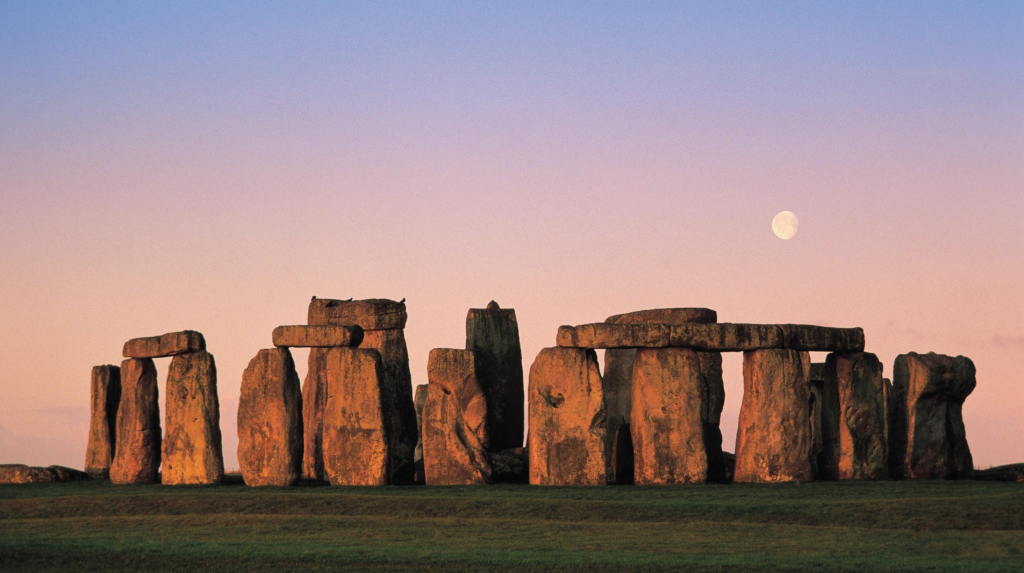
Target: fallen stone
(105,393)
(169,344)
(317,336)
(13,474)
(419,399)
(270,420)
(137,451)
(927,435)
(370,314)
(493,334)
(567,442)
(455,436)
(603,335)
(356,443)
(192,440)
(677,404)
(314,400)
(511,466)
(824,414)
(863,453)
(1009,472)
(665,316)
(773,441)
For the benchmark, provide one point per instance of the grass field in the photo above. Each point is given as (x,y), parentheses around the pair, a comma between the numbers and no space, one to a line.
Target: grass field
(855,527)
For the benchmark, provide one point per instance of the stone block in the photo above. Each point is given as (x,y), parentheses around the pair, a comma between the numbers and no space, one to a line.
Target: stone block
(105,394)
(356,443)
(317,336)
(727,337)
(399,411)
(455,436)
(314,400)
(665,316)
(270,420)
(603,335)
(493,334)
(863,452)
(137,445)
(192,453)
(170,344)
(370,314)
(824,424)
(822,338)
(419,399)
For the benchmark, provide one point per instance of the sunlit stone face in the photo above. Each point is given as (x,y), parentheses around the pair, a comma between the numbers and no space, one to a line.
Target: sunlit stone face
(784,225)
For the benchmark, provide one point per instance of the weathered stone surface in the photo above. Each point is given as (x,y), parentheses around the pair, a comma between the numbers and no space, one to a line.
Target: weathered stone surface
(493,334)
(314,400)
(399,411)
(677,404)
(137,445)
(773,442)
(737,337)
(270,420)
(169,344)
(824,414)
(317,336)
(927,436)
(419,400)
(105,393)
(603,335)
(665,316)
(455,436)
(370,314)
(822,338)
(11,474)
(192,441)
(567,442)
(356,441)
(863,453)
(511,465)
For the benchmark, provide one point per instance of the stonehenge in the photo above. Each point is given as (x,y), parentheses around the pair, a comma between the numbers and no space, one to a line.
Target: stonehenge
(652,417)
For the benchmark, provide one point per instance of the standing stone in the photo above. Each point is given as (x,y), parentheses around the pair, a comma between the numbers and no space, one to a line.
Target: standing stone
(618,385)
(862,447)
(824,413)
(137,451)
(314,399)
(567,444)
(455,436)
(493,333)
(356,442)
(419,400)
(105,392)
(382,321)
(677,404)
(192,444)
(773,442)
(270,420)
(927,435)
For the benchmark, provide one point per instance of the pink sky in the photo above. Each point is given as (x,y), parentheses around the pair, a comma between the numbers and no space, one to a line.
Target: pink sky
(213,169)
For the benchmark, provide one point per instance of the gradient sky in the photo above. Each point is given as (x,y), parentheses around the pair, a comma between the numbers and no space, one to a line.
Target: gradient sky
(211,167)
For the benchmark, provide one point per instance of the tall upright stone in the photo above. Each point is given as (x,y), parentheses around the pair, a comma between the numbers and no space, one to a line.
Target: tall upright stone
(863,451)
(618,376)
(567,442)
(824,406)
(419,400)
(926,433)
(270,420)
(137,446)
(455,422)
(493,333)
(357,444)
(192,441)
(105,394)
(382,321)
(314,400)
(677,405)
(773,441)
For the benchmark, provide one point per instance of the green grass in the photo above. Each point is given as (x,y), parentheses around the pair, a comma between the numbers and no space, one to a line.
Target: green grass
(849,527)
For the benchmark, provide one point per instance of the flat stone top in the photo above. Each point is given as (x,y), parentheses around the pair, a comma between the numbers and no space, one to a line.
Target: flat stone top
(317,336)
(718,337)
(370,314)
(665,316)
(170,344)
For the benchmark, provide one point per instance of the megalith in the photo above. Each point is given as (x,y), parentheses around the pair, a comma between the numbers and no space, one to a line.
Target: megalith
(493,334)
(455,421)
(677,402)
(773,441)
(927,435)
(314,399)
(567,442)
(419,400)
(192,441)
(857,377)
(357,448)
(382,322)
(137,446)
(170,344)
(105,394)
(824,413)
(270,420)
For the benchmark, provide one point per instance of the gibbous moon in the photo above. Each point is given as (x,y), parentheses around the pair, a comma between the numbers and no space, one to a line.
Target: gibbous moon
(784,225)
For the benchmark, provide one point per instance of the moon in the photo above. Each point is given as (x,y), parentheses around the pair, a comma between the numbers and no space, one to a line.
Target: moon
(784,225)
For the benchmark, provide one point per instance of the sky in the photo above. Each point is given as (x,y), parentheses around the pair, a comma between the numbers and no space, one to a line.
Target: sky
(213,165)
